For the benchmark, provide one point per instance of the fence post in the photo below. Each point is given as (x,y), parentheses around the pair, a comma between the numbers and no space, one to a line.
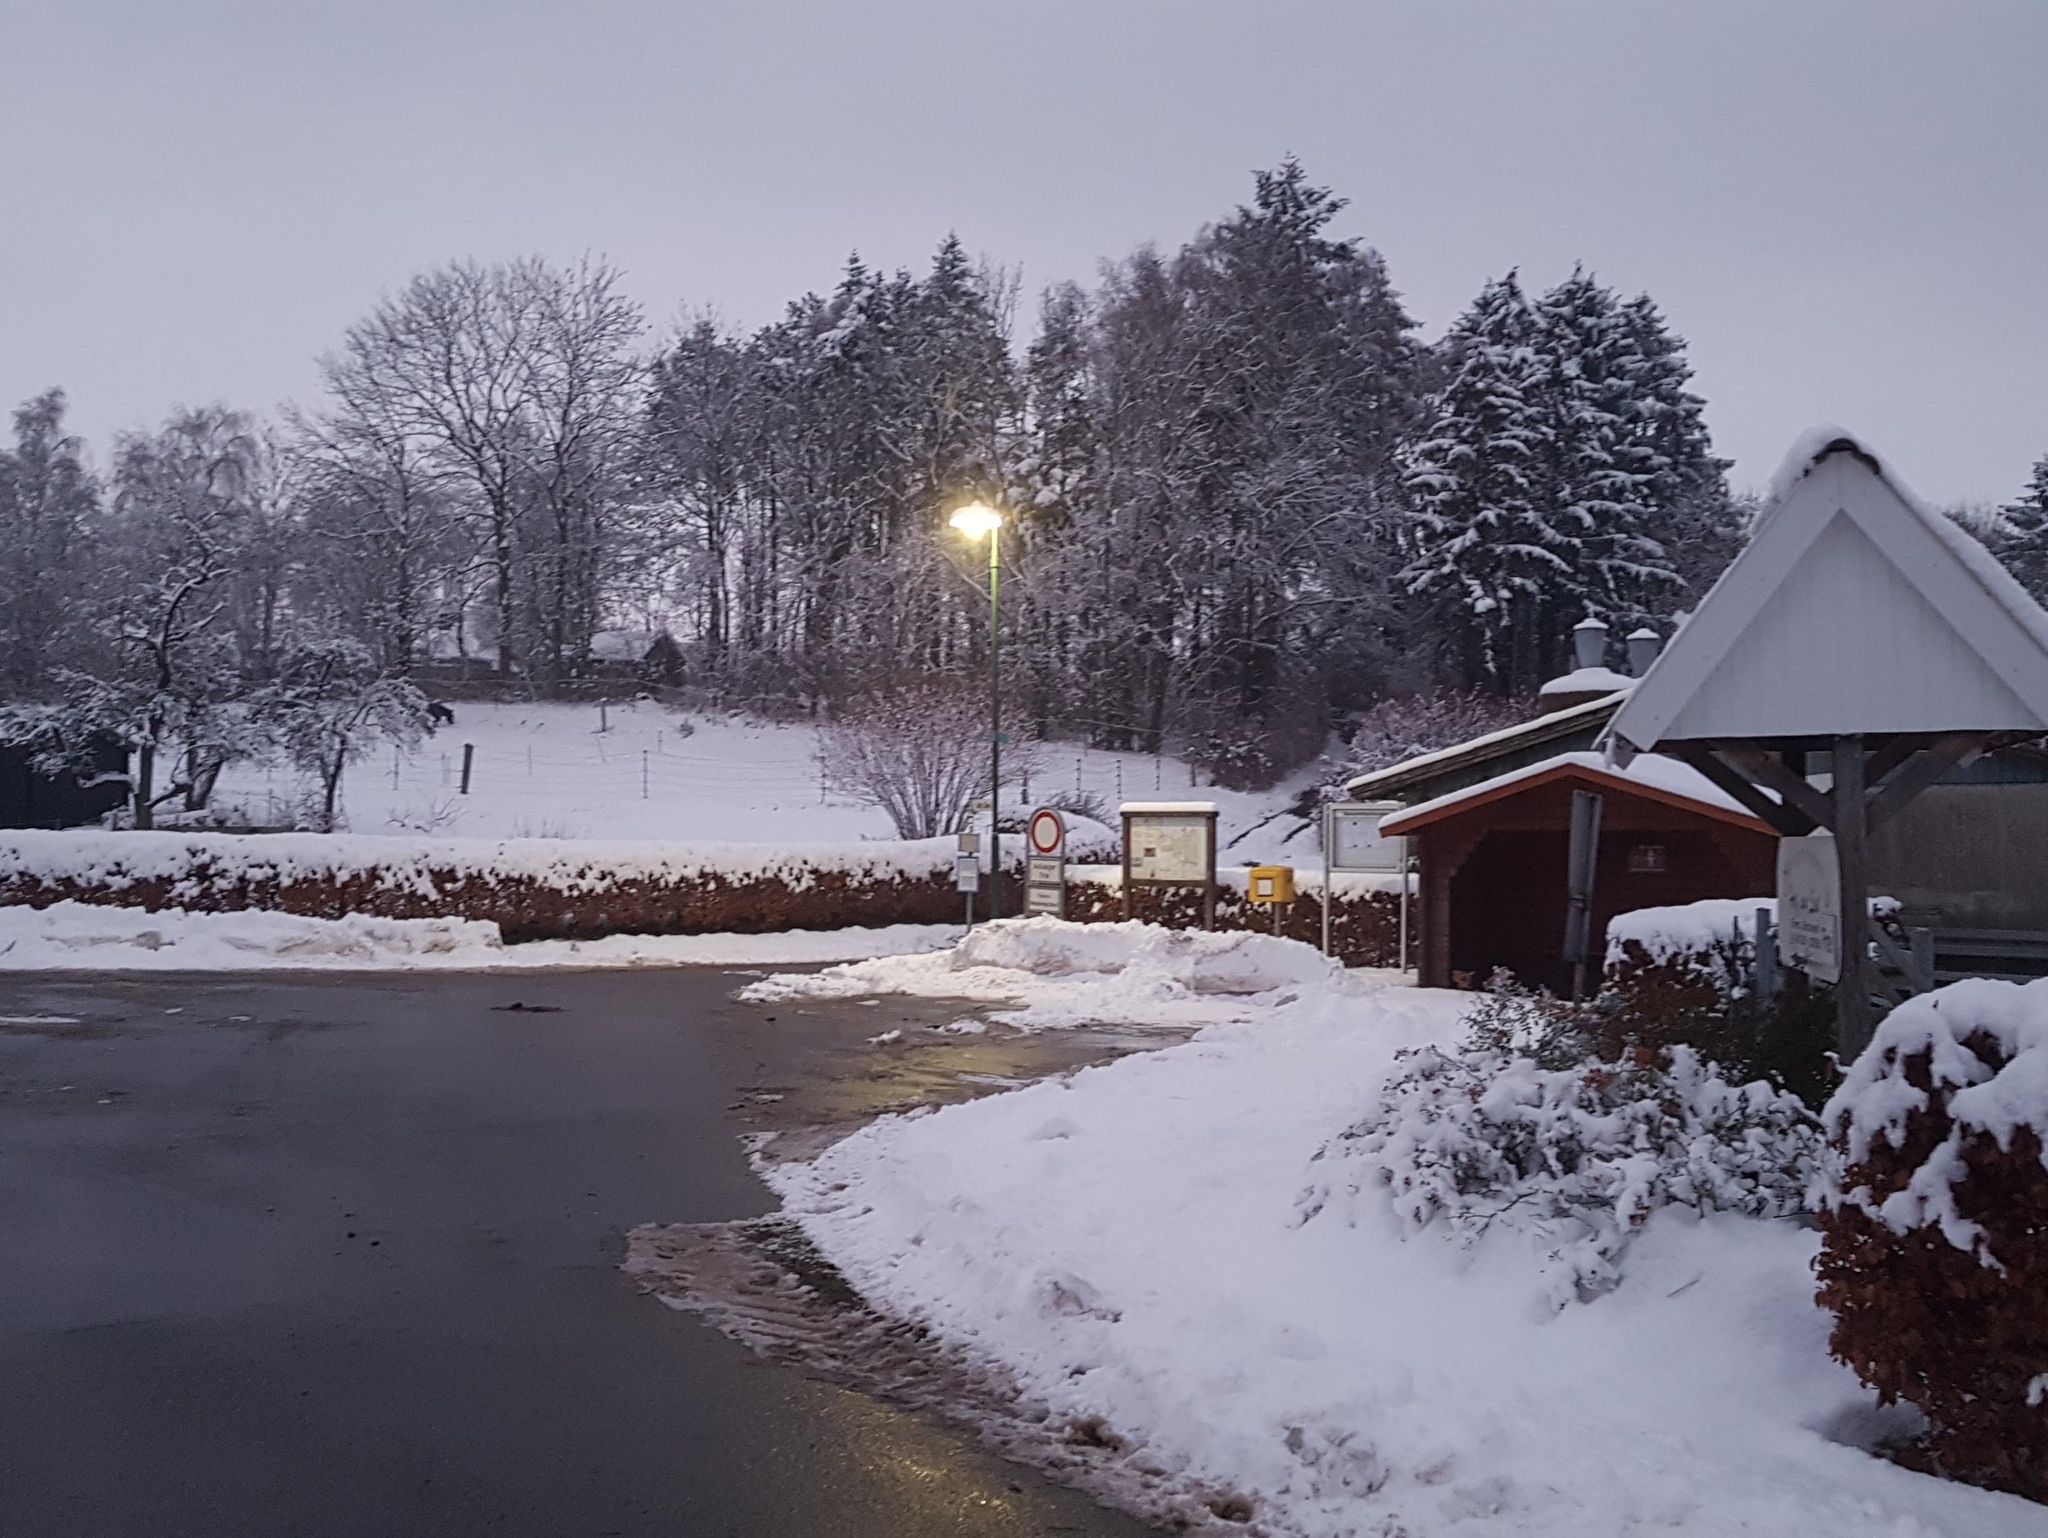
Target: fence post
(1922,957)
(468,759)
(1766,956)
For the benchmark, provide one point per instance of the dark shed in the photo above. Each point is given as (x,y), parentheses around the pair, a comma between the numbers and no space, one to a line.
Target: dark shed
(29,799)
(1493,861)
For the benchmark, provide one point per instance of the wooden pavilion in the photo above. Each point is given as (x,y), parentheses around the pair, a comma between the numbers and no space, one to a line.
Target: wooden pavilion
(1861,648)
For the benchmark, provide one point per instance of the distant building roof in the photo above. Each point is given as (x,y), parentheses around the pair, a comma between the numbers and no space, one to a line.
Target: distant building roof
(1462,763)
(624,645)
(1591,681)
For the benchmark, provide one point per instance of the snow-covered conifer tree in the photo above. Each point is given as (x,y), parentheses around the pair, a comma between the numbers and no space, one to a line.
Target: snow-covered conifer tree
(2022,542)
(1489,562)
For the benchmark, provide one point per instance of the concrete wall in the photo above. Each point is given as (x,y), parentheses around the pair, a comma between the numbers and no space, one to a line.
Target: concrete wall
(1968,857)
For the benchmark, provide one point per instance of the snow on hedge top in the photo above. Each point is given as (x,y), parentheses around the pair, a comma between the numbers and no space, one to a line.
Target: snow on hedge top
(1686,931)
(190,860)
(1876,1097)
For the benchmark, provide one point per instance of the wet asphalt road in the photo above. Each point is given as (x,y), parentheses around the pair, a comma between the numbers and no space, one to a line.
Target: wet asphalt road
(339,1256)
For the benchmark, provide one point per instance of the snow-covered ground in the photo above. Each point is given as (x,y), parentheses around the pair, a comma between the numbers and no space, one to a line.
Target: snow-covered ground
(78,937)
(1129,1243)
(548,771)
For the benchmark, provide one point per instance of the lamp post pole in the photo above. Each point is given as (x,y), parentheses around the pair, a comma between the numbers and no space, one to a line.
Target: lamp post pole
(995,724)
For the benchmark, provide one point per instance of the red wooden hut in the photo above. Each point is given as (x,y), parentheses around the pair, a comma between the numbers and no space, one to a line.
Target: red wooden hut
(1493,861)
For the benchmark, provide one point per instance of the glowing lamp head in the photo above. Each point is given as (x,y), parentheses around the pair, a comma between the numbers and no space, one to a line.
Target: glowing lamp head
(976,520)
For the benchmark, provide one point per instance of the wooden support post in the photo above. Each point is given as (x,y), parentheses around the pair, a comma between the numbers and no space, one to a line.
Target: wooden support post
(1766,956)
(1852,993)
(468,761)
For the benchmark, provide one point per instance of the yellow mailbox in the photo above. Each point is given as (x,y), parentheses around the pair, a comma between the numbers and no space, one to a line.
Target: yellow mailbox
(1270,884)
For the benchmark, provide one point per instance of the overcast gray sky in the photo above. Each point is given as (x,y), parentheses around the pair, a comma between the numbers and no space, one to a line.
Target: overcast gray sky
(1843,206)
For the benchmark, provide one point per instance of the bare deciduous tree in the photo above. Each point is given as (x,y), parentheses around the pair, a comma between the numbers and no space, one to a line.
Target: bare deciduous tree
(921,754)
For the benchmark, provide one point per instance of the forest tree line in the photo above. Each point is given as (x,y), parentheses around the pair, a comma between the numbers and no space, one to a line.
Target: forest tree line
(1246,500)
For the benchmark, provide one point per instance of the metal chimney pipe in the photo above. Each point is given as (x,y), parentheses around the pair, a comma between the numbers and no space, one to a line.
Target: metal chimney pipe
(1643,646)
(1589,643)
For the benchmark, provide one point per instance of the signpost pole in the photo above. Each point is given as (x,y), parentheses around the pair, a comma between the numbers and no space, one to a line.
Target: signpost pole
(1328,825)
(995,725)
(1407,873)
(1852,992)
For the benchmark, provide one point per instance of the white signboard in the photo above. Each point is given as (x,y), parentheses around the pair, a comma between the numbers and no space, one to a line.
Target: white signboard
(966,873)
(1354,840)
(1049,900)
(1810,906)
(1169,847)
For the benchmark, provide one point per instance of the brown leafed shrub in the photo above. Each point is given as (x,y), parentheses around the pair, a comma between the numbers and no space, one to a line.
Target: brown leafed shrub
(1935,1260)
(1364,928)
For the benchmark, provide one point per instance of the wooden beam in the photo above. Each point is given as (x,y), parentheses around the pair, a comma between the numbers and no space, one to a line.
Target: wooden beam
(1917,772)
(1773,775)
(1852,992)
(1891,753)
(1787,820)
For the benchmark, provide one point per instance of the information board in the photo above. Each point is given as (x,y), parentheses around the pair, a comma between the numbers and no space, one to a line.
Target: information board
(1168,848)
(1353,836)
(1810,906)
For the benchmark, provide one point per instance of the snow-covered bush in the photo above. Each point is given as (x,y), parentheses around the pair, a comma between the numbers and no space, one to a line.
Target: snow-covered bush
(920,753)
(1935,1215)
(1577,1157)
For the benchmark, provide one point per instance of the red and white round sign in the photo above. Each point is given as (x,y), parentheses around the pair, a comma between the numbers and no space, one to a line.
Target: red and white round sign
(1048,833)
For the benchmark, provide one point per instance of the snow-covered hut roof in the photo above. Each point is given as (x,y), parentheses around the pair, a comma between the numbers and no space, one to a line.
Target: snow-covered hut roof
(1648,776)
(1523,737)
(1595,681)
(1853,609)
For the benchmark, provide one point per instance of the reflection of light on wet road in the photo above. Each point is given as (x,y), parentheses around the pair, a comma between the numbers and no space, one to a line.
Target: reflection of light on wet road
(846,1079)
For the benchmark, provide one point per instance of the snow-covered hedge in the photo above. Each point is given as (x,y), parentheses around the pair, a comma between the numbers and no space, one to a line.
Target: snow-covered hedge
(1935,1211)
(537,889)
(1578,1158)
(1365,914)
(532,888)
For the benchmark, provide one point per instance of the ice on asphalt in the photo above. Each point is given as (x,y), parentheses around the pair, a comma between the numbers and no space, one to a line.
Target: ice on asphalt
(1127,1242)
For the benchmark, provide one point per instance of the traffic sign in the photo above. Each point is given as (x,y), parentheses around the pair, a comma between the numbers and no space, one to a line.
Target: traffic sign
(1048,832)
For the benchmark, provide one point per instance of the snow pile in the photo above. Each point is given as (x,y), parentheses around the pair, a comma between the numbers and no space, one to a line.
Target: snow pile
(1068,974)
(1688,931)
(1576,1158)
(74,937)
(1126,1241)
(1878,1096)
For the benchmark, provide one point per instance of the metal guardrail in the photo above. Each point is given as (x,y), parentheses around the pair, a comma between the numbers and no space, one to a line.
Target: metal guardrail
(2018,955)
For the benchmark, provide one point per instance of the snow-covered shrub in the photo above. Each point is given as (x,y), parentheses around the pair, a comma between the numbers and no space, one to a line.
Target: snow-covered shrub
(1683,975)
(1935,1215)
(1577,1157)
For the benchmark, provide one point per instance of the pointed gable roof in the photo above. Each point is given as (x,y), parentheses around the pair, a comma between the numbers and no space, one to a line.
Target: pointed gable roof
(1852,609)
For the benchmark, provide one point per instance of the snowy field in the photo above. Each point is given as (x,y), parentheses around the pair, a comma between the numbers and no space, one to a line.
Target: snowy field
(80,937)
(549,771)
(1129,1242)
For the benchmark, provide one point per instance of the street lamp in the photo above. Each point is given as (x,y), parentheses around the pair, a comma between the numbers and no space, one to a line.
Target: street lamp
(975,520)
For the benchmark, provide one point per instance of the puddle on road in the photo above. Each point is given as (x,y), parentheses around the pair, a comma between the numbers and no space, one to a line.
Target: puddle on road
(844,1081)
(761,1281)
